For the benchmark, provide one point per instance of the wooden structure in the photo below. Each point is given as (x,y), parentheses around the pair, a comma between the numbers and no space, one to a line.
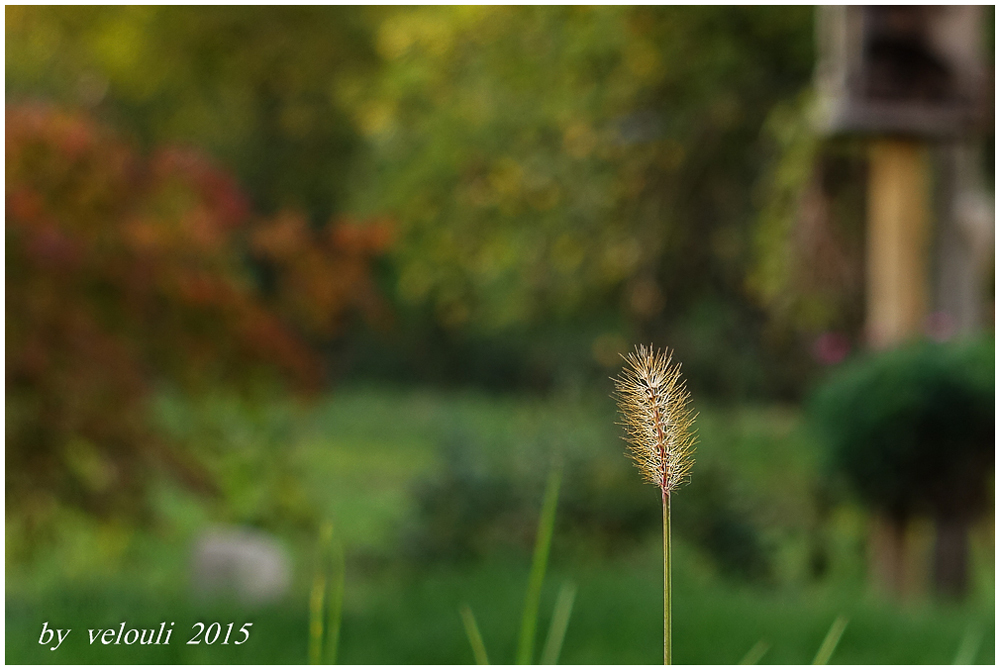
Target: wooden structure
(910,80)
(899,70)
(905,76)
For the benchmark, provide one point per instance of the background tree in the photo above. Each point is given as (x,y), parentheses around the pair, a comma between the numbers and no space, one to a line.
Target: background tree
(127,272)
(172,272)
(548,165)
(259,88)
(564,178)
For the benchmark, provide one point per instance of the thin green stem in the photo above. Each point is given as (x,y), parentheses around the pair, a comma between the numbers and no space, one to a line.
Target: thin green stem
(667,605)
(557,628)
(543,541)
(475,638)
(336,604)
(969,646)
(317,596)
(756,653)
(830,641)
(316,618)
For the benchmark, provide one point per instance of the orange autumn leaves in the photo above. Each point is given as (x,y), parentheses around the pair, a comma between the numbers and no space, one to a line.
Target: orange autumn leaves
(339,255)
(125,271)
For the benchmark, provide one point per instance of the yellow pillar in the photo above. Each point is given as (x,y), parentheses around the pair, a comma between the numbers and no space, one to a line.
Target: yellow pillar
(898,289)
(898,236)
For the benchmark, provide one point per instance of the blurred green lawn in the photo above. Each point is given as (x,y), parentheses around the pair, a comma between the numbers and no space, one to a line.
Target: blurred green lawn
(356,457)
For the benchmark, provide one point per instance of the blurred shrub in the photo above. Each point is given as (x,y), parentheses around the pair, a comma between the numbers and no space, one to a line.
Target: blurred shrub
(475,505)
(465,510)
(912,428)
(126,271)
(250,449)
(715,517)
(725,361)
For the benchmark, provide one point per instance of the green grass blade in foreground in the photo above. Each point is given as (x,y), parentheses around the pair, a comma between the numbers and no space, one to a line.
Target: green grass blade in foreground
(756,653)
(560,620)
(830,642)
(475,638)
(317,596)
(969,646)
(336,603)
(316,619)
(539,561)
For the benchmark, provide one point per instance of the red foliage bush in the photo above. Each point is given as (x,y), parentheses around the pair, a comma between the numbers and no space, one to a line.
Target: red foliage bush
(125,271)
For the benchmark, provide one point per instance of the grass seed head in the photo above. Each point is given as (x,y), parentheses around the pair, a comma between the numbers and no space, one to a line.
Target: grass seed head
(653,402)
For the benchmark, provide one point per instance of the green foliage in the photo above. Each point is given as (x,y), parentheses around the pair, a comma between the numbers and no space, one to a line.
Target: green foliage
(539,563)
(533,592)
(126,272)
(326,599)
(912,428)
(549,168)
(477,502)
(247,448)
(545,161)
(712,514)
(808,244)
(260,88)
(463,509)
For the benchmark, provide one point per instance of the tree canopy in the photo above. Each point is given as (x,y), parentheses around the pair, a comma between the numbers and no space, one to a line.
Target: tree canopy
(198,193)
(542,161)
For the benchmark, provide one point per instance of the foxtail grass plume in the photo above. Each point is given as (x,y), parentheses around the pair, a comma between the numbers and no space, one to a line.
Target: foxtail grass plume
(653,402)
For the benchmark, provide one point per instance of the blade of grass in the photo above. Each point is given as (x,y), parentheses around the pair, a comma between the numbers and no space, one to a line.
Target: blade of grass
(316,618)
(756,653)
(969,646)
(475,639)
(830,642)
(317,597)
(560,620)
(336,603)
(543,541)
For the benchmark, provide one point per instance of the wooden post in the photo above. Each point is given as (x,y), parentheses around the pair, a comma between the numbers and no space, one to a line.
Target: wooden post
(898,233)
(898,289)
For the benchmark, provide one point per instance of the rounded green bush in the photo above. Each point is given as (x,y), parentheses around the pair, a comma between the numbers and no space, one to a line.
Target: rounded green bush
(912,428)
